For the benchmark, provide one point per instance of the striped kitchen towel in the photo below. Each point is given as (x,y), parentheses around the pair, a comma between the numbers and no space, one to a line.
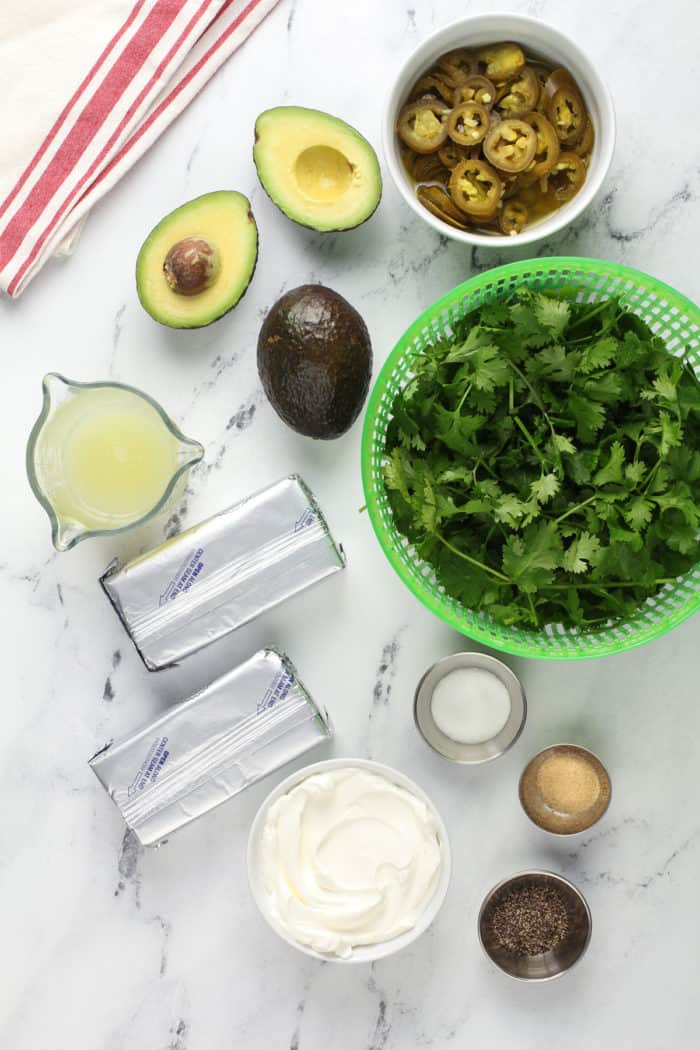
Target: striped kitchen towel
(86,86)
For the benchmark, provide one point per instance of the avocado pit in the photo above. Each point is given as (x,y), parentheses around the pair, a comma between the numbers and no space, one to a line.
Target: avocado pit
(191,266)
(322,173)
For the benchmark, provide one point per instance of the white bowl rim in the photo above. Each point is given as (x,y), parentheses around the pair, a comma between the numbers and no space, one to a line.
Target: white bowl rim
(594,86)
(371,952)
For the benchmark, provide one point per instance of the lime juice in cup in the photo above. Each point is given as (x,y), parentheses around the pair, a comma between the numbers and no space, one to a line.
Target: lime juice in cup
(103,457)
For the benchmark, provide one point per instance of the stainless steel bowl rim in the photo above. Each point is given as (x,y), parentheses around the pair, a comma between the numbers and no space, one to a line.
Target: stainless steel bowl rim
(565,834)
(468,658)
(526,873)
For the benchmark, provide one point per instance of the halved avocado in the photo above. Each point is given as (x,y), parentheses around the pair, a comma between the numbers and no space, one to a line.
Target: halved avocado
(198,261)
(316,168)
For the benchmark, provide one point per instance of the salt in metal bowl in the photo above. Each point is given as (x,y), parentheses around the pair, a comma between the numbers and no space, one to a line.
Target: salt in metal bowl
(469,754)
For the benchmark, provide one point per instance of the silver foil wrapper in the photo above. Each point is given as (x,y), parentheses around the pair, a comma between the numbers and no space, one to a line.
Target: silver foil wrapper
(222,573)
(211,746)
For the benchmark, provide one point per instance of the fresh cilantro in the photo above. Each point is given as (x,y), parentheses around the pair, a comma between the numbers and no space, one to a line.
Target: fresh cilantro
(588,416)
(582,553)
(544,487)
(612,470)
(552,362)
(529,559)
(552,313)
(598,354)
(545,462)
(563,443)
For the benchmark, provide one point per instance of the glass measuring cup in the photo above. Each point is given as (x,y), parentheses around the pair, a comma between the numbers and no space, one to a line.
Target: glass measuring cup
(103,457)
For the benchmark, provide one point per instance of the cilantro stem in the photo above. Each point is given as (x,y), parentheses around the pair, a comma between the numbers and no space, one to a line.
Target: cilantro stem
(464,397)
(536,400)
(473,561)
(596,335)
(487,468)
(572,510)
(650,476)
(532,608)
(593,585)
(530,440)
(598,309)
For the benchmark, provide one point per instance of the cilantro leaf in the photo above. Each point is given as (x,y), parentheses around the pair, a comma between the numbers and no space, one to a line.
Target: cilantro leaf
(664,386)
(552,313)
(598,354)
(635,472)
(476,339)
(428,509)
(490,369)
(670,431)
(677,499)
(527,328)
(685,464)
(606,388)
(529,559)
(612,470)
(684,539)
(638,513)
(582,553)
(563,443)
(395,475)
(552,362)
(544,487)
(510,509)
(588,416)
(456,431)
(494,314)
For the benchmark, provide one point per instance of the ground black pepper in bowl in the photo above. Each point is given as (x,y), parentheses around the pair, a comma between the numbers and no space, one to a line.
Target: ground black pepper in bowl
(534,925)
(531,920)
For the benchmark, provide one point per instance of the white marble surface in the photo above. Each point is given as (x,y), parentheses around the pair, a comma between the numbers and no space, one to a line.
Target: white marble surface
(105,946)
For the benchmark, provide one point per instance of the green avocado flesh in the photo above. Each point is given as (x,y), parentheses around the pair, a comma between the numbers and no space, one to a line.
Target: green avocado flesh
(315,361)
(316,168)
(198,261)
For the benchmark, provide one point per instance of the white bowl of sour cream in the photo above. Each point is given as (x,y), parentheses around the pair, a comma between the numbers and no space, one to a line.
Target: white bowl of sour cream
(348,860)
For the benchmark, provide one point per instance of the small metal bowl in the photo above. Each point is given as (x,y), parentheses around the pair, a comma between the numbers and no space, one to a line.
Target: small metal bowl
(549,820)
(553,963)
(469,754)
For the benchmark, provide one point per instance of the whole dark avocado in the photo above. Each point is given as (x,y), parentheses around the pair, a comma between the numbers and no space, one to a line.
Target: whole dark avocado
(315,361)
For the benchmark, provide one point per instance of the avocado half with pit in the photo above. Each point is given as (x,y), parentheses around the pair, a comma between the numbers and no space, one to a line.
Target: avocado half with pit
(317,169)
(198,261)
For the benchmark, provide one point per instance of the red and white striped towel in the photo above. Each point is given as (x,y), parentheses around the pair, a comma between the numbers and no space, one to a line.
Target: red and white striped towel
(67,140)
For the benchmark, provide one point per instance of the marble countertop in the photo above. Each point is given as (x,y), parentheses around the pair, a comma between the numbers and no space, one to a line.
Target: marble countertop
(108,946)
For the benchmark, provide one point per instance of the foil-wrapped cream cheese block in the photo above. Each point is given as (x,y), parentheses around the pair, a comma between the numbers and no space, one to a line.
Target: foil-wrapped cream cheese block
(222,573)
(205,750)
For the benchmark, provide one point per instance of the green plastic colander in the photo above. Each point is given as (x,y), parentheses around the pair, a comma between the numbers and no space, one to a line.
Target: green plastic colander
(670,315)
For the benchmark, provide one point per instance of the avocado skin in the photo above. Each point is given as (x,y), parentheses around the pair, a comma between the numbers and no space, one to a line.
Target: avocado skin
(315,361)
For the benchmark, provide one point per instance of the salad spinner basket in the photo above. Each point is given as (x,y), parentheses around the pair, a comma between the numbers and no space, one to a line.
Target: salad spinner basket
(670,315)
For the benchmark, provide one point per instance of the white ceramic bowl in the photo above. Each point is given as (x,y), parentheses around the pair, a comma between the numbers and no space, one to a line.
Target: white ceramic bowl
(365,953)
(543,41)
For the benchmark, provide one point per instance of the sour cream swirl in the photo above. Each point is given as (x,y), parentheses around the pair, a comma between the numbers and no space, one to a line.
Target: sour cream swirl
(348,858)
